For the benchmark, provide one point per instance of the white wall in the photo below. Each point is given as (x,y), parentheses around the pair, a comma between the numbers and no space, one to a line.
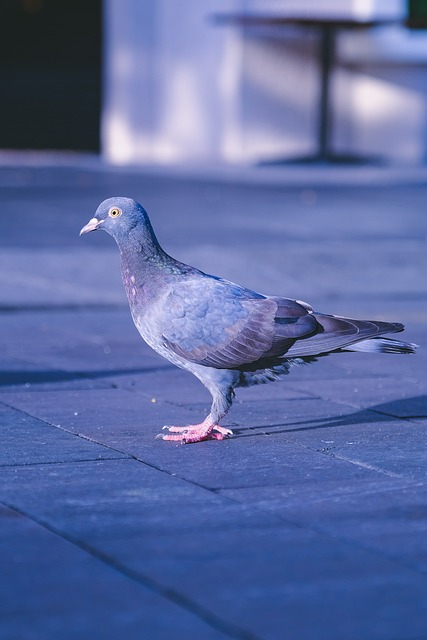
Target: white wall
(171,82)
(180,88)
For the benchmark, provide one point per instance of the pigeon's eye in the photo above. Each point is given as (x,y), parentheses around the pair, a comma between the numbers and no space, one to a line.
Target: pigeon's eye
(115,212)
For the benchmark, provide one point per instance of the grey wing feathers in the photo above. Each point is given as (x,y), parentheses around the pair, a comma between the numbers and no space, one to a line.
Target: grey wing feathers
(218,324)
(240,342)
(237,326)
(283,321)
(292,322)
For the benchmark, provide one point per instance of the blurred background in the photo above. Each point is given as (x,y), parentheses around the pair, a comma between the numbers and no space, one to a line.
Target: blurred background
(224,81)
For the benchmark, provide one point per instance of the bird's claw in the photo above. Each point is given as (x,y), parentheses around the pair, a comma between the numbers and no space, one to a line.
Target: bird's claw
(223,430)
(195,433)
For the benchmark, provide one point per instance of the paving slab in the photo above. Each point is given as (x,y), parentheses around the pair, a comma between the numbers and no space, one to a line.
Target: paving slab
(51,588)
(18,374)
(386,517)
(122,499)
(389,446)
(58,281)
(287,582)
(267,460)
(382,364)
(115,417)
(70,341)
(403,398)
(26,440)
(278,579)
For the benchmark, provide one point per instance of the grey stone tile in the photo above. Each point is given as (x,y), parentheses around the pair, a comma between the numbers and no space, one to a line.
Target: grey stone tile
(266,451)
(51,588)
(80,341)
(400,397)
(267,460)
(286,582)
(19,374)
(119,499)
(399,366)
(286,414)
(410,407)
(389,446)
(103,361)
(117,418)
(385,515)
(27,440)
(97,360)
(263,460)
(50,276)
(46,327)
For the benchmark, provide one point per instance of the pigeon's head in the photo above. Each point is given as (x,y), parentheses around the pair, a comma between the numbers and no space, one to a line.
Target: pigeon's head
(118,217)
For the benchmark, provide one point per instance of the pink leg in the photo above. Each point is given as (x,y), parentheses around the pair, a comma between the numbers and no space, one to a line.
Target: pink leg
(196,433)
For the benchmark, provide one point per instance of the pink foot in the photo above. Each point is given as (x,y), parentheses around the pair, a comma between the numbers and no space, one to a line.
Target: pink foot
(195,433)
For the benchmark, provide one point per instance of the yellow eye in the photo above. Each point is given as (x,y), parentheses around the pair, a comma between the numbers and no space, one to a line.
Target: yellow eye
(115,212)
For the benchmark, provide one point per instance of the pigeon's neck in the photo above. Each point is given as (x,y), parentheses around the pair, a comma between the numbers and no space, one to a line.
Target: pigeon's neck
(141,246)
(145,266)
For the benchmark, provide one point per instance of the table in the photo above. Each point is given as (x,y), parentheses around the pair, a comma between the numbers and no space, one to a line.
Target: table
(328,28)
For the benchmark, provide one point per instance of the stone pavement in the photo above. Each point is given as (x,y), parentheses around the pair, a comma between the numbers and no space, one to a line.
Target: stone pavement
(311,522)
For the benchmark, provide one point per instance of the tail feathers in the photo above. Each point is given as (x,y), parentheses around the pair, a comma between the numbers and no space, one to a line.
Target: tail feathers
(382,345)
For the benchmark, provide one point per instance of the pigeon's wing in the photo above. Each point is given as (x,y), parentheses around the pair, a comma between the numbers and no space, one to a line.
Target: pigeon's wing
(215,323)
(218,324)
(336,332)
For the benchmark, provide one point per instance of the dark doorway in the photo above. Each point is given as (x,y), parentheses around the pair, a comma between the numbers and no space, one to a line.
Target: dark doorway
(50,74)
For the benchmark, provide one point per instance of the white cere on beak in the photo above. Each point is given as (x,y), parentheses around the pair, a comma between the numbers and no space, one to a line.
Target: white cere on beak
(91,226)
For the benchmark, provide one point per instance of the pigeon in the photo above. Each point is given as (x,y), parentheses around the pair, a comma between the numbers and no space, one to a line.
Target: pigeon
(226,335)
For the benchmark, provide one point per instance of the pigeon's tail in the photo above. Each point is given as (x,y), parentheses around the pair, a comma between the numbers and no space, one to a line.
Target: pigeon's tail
(382,345)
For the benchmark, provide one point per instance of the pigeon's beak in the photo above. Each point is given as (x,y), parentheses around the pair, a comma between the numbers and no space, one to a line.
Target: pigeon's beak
(90,226)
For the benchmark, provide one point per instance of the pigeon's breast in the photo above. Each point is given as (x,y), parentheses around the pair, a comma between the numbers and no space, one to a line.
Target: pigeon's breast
(148,316)
(141,290)
(152,335)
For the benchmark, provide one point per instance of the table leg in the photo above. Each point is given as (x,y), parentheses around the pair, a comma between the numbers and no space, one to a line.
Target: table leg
(327,53)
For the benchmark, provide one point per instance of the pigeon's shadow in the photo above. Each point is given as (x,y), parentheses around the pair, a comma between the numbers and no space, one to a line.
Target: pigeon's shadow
(405,408)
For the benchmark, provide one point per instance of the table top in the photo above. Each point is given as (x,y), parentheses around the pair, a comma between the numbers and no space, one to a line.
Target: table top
(341,22)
